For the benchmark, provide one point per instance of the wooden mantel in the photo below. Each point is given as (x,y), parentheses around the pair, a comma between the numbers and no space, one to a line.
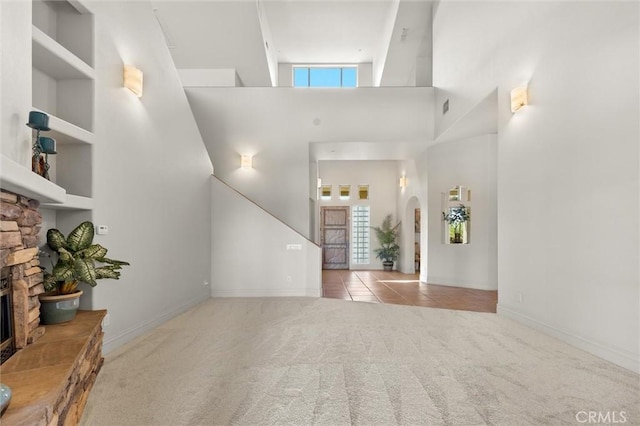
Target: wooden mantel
(51,379)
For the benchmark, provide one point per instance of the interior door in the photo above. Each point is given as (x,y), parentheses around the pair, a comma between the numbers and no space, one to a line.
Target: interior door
(334,232)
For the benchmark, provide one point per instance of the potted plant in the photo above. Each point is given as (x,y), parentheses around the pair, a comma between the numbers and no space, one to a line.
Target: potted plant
(388,238)
(456,217)
(77,257)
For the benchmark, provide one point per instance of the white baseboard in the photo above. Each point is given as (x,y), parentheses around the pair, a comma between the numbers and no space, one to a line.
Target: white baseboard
(619,357)
(263,292)
(131,333)
(430,279)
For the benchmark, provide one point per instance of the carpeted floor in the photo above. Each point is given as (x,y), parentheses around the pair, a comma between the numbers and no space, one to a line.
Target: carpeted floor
(301,361)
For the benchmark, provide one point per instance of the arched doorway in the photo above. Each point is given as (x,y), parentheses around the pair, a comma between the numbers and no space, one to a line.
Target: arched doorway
(411,236)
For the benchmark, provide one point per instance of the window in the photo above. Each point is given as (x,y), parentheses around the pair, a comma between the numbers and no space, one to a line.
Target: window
(345,192)
(360,234)
(325,192)
(363,192)
(325,77)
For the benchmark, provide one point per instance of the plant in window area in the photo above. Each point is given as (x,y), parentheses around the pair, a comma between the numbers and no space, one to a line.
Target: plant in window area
(387,236)
(456,217)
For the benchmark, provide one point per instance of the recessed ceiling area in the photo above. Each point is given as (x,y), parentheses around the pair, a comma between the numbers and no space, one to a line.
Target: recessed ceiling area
(327,31)
(233,35)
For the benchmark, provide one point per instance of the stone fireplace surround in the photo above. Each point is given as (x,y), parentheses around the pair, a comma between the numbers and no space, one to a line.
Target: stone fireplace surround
(52,373)
(19,229)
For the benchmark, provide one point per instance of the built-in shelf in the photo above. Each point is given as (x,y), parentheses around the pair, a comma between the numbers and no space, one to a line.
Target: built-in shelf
(72,202)
(17,178)
(64,132)
(56,61)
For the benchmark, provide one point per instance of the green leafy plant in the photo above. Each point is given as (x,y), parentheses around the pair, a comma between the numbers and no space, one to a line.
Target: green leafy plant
(456,217)
(77,257)
(387,236)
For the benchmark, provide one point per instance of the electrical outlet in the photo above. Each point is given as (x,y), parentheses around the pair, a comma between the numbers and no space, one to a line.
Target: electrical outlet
(289,279)
(106,321)
(205,283)
(519,297)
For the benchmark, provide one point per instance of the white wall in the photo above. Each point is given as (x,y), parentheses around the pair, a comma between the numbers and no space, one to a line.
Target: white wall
(382,178)
(250,256)
(470,163)
(151,178)
(276,125)
(412,197)
(567,164)
(197,77)
(15,80)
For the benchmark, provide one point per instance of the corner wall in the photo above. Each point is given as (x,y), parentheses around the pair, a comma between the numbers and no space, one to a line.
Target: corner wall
(470,163)
(253,252)
(568,163)
(151,178)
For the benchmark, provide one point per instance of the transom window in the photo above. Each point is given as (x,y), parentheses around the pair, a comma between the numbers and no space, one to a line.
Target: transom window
(360,234)
(325,76)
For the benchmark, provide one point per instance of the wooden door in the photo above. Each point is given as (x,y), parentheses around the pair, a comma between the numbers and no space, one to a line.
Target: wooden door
(334,232)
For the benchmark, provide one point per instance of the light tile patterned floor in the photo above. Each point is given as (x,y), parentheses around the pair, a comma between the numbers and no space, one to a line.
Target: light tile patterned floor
(403,289)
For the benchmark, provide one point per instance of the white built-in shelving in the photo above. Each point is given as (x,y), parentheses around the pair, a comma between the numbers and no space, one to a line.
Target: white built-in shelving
(63,86)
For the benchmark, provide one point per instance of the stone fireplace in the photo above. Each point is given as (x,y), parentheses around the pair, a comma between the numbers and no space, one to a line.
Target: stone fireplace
(21,274)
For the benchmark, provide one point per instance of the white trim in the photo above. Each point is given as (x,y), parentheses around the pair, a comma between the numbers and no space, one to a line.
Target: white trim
(139,329)
(266,292)
(617,356)
(461,283)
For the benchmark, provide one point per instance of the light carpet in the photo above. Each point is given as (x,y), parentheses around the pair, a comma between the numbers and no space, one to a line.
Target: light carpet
(301,361)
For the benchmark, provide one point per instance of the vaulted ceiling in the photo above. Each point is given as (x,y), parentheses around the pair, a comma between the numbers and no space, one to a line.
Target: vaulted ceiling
(393,35)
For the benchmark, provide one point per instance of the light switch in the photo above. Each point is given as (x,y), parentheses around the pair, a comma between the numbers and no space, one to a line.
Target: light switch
(102,230)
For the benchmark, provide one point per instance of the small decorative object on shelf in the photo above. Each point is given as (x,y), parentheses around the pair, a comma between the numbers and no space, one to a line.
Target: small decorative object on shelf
(457,219)
(41,145)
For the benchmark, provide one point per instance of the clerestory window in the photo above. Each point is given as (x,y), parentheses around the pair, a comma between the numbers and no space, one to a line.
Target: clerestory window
(324,76)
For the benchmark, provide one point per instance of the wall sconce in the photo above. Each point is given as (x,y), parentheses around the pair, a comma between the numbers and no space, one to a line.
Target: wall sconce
(133,79)
(403,182)
(246,161)
(519,98)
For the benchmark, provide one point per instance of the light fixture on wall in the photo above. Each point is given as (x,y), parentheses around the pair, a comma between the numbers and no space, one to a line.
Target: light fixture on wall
(403,182)
(246,161)
(519,98)
(133,79)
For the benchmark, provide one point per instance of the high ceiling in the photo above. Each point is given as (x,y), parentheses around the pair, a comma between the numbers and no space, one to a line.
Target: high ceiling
(394,35)
(327,31)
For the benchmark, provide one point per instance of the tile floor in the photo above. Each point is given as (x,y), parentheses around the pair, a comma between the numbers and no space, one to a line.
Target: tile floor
(403,289)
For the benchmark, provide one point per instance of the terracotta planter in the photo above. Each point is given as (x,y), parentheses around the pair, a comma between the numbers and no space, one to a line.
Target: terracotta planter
(58,308)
